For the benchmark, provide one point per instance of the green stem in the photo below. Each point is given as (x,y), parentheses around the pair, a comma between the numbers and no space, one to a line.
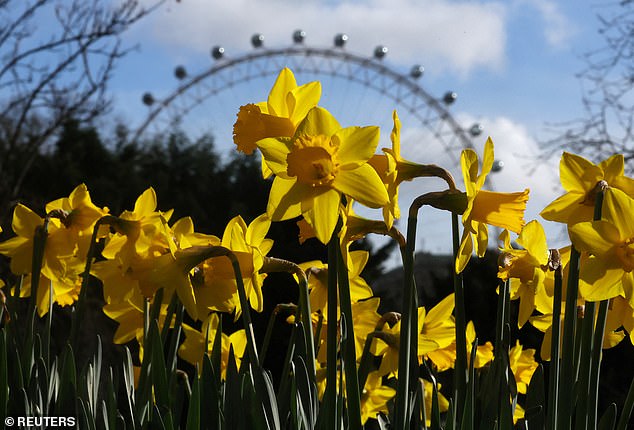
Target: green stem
(595,368)
(85,276)
(460,370)
(583,377)
(330,395)
(261,387)
(279,265)
(349,354)
(401,407)
(551,413)
(568,378)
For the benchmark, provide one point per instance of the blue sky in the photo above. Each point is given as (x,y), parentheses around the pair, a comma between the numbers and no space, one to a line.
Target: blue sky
(512,63)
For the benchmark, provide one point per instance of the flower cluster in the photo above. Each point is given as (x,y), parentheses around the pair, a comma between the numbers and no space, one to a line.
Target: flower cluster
(320,170)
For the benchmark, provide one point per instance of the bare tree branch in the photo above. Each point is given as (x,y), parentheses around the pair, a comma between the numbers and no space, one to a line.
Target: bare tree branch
(55,72)
(607,125)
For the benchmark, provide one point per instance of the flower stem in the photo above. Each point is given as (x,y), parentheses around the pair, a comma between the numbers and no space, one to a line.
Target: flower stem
(353,395)
(567,380)
(554,352)
(460,375)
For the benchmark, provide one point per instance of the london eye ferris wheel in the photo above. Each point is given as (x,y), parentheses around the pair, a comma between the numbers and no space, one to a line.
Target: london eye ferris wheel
(357,89)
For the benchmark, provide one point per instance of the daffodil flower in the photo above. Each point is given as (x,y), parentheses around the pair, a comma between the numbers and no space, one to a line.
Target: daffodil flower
(319,164)
(445,358)
(443,403)
(279,116)
(579,177)
(393,169)
(523,364)
(526,268)
(71,220)
(317,274)
(610,242)
(193,348)
(504,210)
(215,286)
(436,331)
(375,397)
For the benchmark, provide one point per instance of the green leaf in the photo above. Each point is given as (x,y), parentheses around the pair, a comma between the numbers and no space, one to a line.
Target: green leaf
(211,396)
(193,411)
(158,370)
(535,400)
(307,392)
(233,407)
(608,420)
(256,416)
(109,402)
(65,405)
(624,419)
(4,376)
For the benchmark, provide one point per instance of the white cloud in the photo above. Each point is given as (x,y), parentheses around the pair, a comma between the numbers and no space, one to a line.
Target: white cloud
(524,167)
(558,29)
(456,36)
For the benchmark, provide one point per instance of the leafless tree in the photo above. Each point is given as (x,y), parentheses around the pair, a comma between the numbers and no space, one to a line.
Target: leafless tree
(607,125)
(56,60)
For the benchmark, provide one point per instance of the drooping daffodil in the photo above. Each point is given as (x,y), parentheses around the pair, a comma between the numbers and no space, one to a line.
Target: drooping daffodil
(504,210)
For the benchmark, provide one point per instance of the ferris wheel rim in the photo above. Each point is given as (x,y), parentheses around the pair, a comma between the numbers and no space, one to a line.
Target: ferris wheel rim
(300,50)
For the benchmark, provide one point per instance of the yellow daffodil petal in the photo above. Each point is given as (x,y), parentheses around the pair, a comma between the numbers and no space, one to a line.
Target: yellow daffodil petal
(504,210)
(324,214)
(613,167)
(258,229)
(356,145)
(562,207)
(533,239)
(598,282)
(618,208)
(469,164)
(487,162)
(284,84)
(596,237)
(274,154)
(363,185)
(318,122)
(527,305)
(285,199)
(482,239)
(575,171)
(25,221)
(302,99)
(146,203)
(465,251)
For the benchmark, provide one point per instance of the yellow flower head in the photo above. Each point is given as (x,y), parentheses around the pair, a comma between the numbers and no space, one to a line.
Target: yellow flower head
(504,210)
(193,348)
(217,290)
(579,178)
(80,213)
(375,397)
(286,107)
(443,403)
(523,365)
(526,268)
(318,165)
(609,271)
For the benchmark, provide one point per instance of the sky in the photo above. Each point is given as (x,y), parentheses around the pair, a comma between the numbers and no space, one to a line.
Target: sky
(512,64)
